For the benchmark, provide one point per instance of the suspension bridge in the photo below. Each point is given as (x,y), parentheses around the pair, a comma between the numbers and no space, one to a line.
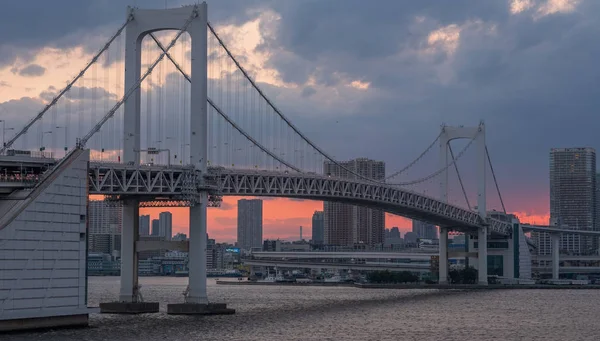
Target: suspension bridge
(185,124)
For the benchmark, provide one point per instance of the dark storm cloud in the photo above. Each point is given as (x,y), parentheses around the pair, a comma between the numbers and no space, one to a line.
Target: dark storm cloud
(32,70)
(534,81)
(308,91)
(79,93)
(27,26)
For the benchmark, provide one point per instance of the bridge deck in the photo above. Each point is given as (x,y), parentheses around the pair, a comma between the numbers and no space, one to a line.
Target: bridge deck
(181,184)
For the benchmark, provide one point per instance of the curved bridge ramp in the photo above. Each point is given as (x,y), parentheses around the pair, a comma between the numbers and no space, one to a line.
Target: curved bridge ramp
(12,205)
(43,248)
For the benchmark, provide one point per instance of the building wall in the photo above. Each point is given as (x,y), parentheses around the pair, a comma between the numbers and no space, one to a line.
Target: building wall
(249,229)
(346,224)
(43,252)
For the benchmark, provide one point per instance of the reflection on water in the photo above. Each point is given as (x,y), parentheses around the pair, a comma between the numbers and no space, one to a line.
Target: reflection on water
(342,313)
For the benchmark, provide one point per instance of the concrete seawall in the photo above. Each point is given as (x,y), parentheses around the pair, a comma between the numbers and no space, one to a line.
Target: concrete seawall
(423,286)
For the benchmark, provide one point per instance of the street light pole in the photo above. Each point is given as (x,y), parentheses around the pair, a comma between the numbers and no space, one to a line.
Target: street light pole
(42,148)
(65,128)
(4,130)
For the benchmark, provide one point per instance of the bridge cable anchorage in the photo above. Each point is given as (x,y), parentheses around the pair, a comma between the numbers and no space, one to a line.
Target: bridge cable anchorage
(417,159)
(282,116)
(67,88)
(221,112)
(459,178)
(494,176)
(83,141)
(439,171)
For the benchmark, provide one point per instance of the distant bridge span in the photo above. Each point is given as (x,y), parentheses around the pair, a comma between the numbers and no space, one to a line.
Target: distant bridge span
(181,183)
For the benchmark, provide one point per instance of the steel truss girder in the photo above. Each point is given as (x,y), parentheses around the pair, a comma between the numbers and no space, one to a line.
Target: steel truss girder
(499,226)
(317,187)
(158,186)
(122,180)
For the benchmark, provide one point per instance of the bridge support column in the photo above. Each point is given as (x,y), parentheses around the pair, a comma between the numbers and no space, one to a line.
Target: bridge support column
(482,256)
(197,254)
(443,262)
(130,299)
(555,252)
(196,300)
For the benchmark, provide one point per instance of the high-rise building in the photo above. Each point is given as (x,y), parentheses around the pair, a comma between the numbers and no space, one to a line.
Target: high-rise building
(317,228)
(105,223)
(395,232)
(424,230)
(180,237)
(104,217)
(597,221)
(144,225)
(347,224)
(573,196)
(155,227)
(393,237)
(210,253)
(249,227)
(165,225)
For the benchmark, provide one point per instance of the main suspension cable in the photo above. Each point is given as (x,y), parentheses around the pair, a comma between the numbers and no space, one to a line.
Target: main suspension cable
(225,116)
(417,159)
(494,176)
(439,171)
(68,87)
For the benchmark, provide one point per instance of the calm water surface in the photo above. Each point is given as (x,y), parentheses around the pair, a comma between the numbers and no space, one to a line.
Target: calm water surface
(328,313)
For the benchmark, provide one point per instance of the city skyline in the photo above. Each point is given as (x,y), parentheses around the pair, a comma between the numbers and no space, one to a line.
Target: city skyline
(281,218)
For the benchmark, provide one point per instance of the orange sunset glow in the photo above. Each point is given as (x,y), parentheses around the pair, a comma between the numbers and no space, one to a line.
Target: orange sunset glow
(282,218)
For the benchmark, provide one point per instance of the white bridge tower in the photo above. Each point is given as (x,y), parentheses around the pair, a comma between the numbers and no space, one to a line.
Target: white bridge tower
(477,134)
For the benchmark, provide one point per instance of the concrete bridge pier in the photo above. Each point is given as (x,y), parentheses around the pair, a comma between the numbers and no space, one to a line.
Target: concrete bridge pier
(196,298)
(443,261)
(130,298)
(555,237)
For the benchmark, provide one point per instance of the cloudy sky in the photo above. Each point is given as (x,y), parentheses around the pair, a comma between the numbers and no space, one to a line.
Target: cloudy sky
(381,76)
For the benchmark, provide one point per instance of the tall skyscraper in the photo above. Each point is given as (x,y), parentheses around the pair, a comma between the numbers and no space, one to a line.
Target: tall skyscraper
(155,227)
(105,223)
(346,224)
(573,195)
(317,228)
(424,230)
(249,227)
(597,221)
(144,225)
(165,225)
